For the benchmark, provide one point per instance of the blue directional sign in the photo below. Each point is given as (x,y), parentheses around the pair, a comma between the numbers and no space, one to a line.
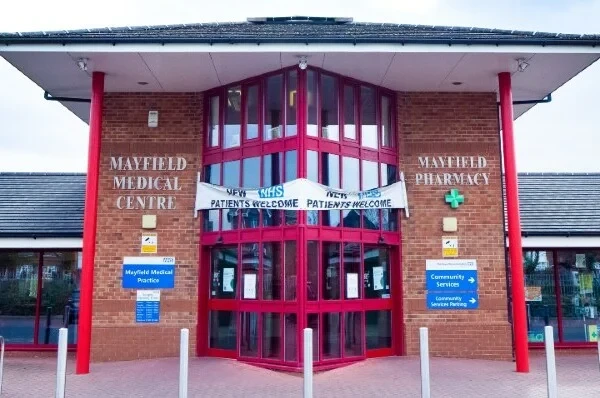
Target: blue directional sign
(452,301)
(148,273)
(451,280)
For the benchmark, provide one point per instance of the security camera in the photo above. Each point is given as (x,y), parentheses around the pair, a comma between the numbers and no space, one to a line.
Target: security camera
(303,63)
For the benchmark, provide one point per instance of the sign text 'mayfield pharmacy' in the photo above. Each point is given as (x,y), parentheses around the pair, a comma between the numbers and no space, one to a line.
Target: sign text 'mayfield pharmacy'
(470,170)
(152,191)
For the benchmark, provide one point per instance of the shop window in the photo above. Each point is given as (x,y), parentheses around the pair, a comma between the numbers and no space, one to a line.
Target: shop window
(370,180)
(213,125)
(349,113)
(231,178)
(540,293)
(272,175)
(331,271)
(250,180)
(223,330)
(291,127)
(368,118)
(353,287)
(376,272)
(224,272)
(331,335)
(330,176)
(250,262)
(233,118)
(351,182)
(312,322)
(387,129)
(252,111)
(271,271)
(271,330)
(249,334)
(291,269)
(290,331)
(353,332)
(329,108)
(273,108)
(312,271)
(212,175)
(378,327)
(312,174)
(311,98)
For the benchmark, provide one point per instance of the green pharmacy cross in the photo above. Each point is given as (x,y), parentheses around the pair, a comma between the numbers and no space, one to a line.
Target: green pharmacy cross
(454,198)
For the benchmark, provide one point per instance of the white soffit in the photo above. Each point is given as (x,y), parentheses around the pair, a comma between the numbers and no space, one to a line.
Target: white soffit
(41,243)
(549,242)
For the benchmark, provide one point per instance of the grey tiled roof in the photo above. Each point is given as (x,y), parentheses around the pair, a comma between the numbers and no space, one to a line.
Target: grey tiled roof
(300,30)
(41,204)
(559,204)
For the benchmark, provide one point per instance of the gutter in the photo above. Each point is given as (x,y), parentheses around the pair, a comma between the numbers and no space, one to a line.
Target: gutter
(49,97)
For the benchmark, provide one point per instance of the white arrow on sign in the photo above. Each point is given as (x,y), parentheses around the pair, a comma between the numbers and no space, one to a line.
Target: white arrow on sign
(472,301)
(471,279)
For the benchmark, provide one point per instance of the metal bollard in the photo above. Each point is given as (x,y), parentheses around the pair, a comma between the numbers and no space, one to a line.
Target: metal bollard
(308,363)
(424,344)
(1,362)
(61,363)
(550,362)
(183,363)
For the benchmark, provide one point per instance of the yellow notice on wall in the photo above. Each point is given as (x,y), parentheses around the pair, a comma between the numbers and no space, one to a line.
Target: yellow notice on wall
(149,243)
(592,332)
(449,246)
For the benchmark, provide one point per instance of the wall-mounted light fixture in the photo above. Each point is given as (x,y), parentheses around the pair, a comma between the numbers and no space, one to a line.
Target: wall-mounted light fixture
(522,65)
(302,62)
(82,63)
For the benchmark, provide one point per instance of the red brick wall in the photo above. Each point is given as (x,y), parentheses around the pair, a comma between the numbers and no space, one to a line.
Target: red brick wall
(115,334)
(465,124)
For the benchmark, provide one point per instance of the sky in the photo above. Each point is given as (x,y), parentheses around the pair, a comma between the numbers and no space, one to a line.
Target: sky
(42,136)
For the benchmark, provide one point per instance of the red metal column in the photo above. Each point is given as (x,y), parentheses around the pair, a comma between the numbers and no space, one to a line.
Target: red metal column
(514,225)
(89,226)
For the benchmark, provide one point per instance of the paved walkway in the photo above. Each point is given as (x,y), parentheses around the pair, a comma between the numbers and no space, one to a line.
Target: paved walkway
(578,376)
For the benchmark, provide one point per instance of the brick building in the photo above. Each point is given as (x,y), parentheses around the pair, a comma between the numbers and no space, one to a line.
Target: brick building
(403,120)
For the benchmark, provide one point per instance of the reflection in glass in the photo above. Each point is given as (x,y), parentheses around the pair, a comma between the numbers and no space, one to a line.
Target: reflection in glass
(311,98)
(368,117)
(291,327)
(389,216)
(353,342)
(351,182)
(370,180)
(378,329)
(312,321)
(331,335)
(291,127)
(352,271)
(538,267)
(271,271)
(249,334)
(213,125)
(291,172)
(272,175)
(312,174)
(273,108)
(250,261)
(271,331)
(387,132)
(250,179)
(290,264)
(252,112)
(349,113)
(222,330)
(312,267)
(376,272)
(231,179)
(330,176)
(331,271)
(233,117)
(224,262)
(330,128)
(212,175)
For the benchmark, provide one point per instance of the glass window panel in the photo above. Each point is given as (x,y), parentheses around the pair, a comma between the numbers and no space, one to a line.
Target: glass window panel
(353,341)
(349,113)
(249,334)
(389,175)
(330,176)
(352,279)
(18,296)
(331,335)
(370,180)
(291,173)
(378,327)
(291,127)
(223,327)
(311,99)
(312,278)
(387,129)
(250,179)
(351,182)
(224,272)
(272,271)
(60,296)
(274,108)
(376,272)
(231,178)
(291,269)
(331,271)
(538,269)
(272,175)
(330,128)
(312,174)
(290,333)
(368,117)
(252,110)
(250,261)
(233,117)
(579,275)
(312,321)
(212,175)
(271,332)
(213,122)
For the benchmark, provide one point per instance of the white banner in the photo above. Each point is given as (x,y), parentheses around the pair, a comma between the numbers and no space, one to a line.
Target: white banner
(300,194)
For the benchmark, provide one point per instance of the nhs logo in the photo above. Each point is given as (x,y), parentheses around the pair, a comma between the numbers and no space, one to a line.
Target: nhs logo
(276,191)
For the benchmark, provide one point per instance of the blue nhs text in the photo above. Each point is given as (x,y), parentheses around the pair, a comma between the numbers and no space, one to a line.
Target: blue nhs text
(276,191)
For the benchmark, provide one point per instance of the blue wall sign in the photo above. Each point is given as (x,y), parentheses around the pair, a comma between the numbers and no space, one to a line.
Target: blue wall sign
(148,273)
(452,301)
(451,281)
(147,306)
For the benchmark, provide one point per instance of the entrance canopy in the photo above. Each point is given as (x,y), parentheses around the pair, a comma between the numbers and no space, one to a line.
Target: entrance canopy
(194,58)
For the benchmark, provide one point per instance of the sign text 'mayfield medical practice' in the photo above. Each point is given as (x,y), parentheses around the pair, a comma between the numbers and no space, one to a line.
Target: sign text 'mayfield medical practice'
(152,190)
(471,170)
